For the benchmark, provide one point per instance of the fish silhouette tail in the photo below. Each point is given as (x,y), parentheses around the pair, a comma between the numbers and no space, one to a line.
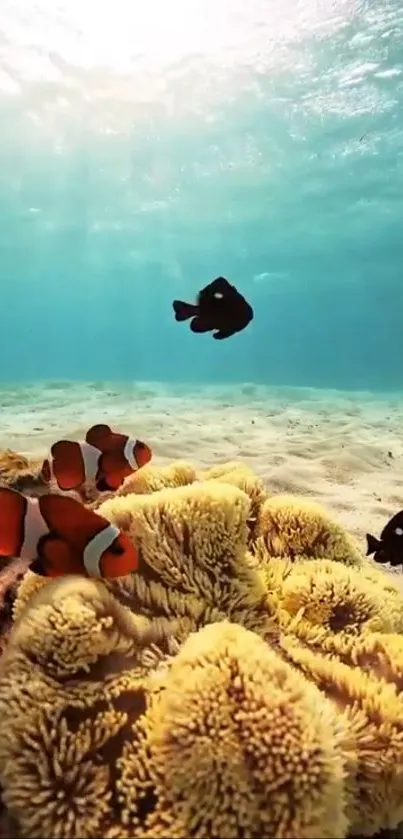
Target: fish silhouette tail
(183,311)
(373,544)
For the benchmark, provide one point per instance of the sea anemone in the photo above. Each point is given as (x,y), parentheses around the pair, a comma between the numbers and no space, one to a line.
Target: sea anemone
(234,749)
(252,485)
(298,528)
(192,544)
(152,478)
(330,603)
(19,472)
(239,684)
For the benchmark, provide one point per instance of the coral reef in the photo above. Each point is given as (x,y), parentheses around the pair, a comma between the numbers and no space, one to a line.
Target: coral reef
(298,528)
(19,472)
(152,478)
(247,681)
(11,573)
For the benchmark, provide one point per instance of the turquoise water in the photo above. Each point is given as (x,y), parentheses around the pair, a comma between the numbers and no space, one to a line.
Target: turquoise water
(144,152)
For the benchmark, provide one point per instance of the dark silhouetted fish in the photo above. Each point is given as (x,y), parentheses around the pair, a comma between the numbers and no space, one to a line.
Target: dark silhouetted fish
(389,548)
(219,306)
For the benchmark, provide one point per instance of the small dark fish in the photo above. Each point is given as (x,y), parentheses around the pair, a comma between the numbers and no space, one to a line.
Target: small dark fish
(219,306)
(389,548)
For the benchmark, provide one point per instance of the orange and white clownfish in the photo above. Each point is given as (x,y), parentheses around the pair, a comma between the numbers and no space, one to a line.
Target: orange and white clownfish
(104,459)
(59,536)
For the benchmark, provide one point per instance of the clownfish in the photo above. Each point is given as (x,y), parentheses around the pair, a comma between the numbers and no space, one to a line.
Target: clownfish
(104,459)
(57,535)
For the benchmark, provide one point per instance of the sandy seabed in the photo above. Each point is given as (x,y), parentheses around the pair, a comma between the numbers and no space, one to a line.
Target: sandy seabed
(342,449)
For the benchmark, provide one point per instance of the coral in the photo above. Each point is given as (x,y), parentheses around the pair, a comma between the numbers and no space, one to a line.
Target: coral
(19,472)
(298,528)
(12,571)
(81,661)
(243,478)
(222,470)
(192,546)
(31,583)
(110,729)
(152,478)
(330,604)
(392,590)
(228,757)
(247,681)
(365,685)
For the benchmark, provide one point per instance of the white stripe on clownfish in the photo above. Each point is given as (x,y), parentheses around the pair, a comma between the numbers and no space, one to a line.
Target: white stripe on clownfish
(129,454)
(91,456)
(34,528)
(96,547)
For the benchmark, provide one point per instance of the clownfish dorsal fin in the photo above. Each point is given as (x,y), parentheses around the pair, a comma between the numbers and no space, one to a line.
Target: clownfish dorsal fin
(70,520)
(100,436)
(68,464)
(54,447)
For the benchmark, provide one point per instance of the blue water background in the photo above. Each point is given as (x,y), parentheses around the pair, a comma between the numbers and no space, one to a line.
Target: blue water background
(274,158)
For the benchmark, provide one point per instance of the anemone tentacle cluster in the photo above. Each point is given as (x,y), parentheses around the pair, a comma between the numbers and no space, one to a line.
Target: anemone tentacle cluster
(247,681)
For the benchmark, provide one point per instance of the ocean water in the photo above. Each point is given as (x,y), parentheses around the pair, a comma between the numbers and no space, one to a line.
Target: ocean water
(146,148)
